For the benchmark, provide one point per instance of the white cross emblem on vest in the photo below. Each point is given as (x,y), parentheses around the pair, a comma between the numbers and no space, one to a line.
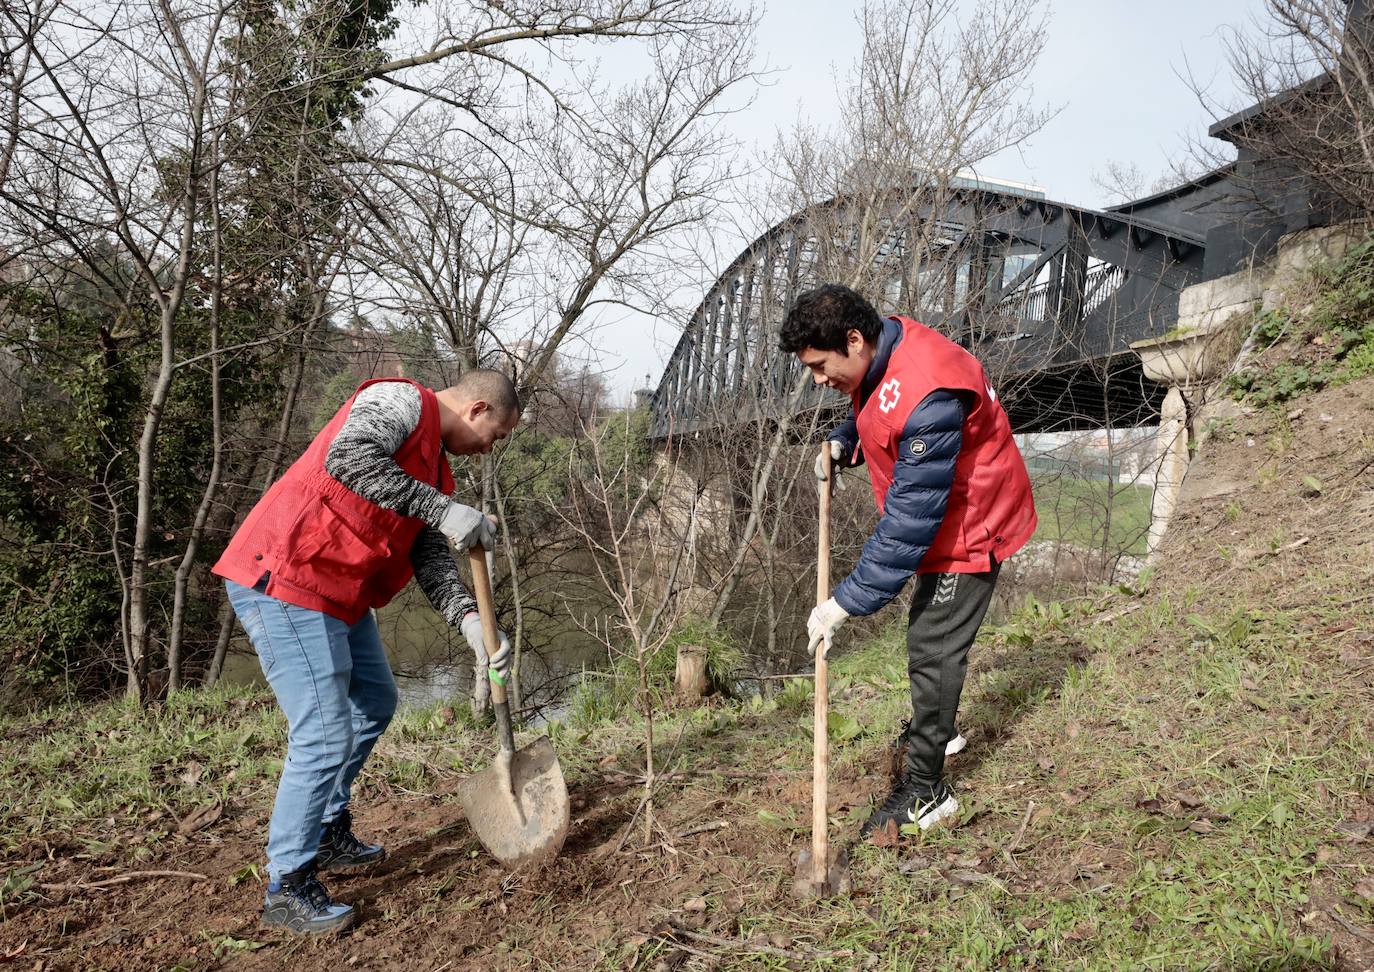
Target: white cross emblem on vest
(892,387)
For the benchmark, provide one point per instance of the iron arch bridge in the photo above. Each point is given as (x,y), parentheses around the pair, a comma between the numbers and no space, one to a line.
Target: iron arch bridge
(1048,296)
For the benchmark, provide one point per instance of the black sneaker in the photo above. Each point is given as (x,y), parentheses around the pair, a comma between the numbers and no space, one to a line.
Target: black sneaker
(897,767)
(341,851)
(913,803)
(301,905)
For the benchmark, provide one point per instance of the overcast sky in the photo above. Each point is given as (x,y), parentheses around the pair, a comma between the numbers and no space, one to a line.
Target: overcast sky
(1118,70)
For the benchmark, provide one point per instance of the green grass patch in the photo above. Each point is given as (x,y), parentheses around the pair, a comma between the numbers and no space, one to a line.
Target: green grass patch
(1092,513)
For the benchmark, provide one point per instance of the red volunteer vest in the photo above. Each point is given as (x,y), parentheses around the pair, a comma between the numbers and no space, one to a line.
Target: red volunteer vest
(328,548)
(990,510)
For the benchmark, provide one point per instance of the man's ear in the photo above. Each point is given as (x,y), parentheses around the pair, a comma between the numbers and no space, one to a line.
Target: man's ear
(477,408)
(854,341)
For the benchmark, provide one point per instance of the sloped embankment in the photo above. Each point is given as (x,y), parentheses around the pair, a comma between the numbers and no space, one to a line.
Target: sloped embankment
(1177,777)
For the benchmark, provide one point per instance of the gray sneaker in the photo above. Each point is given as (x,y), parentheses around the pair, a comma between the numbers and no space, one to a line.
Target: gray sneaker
(300,904)
(341,851)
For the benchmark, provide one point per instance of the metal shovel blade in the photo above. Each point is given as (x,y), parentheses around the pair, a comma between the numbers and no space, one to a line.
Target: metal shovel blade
(532,827)
(834,881)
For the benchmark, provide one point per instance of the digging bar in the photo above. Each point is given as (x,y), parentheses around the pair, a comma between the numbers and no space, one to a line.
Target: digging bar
(822,870)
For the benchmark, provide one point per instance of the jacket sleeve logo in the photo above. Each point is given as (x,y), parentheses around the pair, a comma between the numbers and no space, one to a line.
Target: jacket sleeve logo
(888,395)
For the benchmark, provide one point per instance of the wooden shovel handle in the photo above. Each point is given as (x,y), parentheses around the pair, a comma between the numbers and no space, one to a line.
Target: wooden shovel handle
(820,770)
(486,609)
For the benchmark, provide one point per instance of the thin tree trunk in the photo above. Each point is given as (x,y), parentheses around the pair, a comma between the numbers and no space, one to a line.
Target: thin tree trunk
(481,685)
(226,628)
(176,635)
(169,306)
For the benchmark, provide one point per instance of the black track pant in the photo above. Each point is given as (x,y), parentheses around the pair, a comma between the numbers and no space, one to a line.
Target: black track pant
(945,614)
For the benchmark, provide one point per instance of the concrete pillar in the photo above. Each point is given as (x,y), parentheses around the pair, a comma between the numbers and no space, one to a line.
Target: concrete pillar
(1213,319)
(1171,451)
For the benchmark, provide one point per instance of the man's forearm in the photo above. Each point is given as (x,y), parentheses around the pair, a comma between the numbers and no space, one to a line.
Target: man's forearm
(438,576)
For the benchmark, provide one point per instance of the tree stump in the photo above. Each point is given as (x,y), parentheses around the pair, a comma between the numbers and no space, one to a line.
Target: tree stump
(690,679)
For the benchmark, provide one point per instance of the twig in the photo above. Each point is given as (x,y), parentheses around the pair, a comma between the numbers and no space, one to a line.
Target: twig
(677,776)
(122,879)
(668,845)
(738,945)
(1025,821)
(703,828)
(1349,926)
(1119,612)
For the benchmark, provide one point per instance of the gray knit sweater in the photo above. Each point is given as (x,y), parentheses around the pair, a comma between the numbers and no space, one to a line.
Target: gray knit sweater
(362,457)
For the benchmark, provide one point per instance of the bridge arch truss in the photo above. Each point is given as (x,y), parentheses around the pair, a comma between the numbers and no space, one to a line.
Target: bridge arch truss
(1048,296)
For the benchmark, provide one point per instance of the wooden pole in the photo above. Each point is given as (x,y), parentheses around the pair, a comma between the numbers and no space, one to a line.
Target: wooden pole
(820,843)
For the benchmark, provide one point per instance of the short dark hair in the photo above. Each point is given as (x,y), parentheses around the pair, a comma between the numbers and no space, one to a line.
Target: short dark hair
(490,386)
(822,318)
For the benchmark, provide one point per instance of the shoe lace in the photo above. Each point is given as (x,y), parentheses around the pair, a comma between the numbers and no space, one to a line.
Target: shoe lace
(341,835)
(348,843)
(903,796)
(312,892)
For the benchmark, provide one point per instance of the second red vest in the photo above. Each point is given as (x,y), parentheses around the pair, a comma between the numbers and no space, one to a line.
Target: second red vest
(990,511)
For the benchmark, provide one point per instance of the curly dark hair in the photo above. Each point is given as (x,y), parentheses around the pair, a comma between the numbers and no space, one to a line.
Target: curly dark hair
(821,318)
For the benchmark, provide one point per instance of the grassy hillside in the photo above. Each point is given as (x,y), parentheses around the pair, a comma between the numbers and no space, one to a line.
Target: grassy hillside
(1171,777)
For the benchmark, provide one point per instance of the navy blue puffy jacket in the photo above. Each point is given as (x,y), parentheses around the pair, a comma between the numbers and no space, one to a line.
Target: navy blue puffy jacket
(915,504)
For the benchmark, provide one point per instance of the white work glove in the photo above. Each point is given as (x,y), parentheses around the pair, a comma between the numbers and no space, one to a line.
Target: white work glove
(825,620)
(466,527)
(836,450)
(499,662)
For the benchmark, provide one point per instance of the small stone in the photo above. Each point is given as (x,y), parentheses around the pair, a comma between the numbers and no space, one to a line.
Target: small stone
(694,904)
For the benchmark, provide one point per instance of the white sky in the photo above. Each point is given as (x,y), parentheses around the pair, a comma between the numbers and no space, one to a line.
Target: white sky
(1118,70)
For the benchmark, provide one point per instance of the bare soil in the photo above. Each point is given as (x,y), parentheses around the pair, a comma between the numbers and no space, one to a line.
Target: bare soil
(439,902)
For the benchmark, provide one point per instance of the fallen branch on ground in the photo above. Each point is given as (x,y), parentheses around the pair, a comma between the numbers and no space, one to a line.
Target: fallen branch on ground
(738,945)
(122,879)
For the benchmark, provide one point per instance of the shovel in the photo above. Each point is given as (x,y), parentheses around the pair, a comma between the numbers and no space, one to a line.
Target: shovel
(821,869)
(517,806)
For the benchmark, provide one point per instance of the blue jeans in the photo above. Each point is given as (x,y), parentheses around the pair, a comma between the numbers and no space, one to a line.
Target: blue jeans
(335,685)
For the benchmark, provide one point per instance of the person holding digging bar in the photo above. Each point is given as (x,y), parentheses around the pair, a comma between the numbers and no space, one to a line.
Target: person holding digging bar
(955,502)
(365,508)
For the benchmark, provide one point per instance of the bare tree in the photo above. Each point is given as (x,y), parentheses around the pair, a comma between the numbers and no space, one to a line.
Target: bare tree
(626,516)
(1309,67)
(938,89)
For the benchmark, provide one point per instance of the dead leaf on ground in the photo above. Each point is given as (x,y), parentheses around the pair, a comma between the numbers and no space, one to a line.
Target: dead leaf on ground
(1356,829)
(966,877)
(1081,932)
(1150,806)
(694,904)
(1201,826)
(1189,801)
(1365,889)
(914,864)
(192,774)
(1045,763)
(885,836)
(200,819)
